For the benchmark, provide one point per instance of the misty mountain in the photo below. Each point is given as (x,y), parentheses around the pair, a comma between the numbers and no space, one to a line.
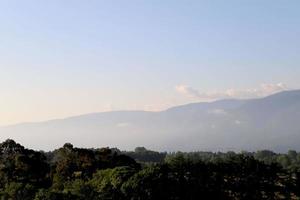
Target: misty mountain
(266,123)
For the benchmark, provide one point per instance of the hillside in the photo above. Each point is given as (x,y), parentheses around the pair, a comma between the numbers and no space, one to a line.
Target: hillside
(267,123)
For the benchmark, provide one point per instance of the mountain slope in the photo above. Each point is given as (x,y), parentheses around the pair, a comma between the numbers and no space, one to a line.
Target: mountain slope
(267,123)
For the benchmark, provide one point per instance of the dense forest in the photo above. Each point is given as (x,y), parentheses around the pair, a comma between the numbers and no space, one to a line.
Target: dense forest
(83,174)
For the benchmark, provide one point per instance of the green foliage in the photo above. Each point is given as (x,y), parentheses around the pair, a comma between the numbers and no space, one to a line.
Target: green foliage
(79,188)
(100,174)
(147,184)
(17,191)
(107,183)
(141,154)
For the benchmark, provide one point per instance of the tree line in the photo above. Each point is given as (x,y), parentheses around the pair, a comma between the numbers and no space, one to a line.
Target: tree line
(104,173)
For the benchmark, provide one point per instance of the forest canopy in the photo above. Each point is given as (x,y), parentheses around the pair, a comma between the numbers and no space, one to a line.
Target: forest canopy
(104,173)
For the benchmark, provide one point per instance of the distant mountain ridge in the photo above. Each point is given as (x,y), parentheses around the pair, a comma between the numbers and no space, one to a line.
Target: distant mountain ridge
(271,123)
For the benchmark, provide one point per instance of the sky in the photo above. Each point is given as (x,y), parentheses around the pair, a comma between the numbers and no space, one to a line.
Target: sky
(61,58)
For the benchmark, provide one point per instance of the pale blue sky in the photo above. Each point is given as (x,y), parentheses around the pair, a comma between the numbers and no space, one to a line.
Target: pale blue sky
(65,57)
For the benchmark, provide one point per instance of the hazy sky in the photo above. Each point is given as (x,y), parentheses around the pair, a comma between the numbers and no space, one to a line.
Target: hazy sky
(60,58)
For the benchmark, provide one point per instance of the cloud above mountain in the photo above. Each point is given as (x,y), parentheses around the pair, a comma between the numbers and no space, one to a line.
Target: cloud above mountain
(266,123)
(264,90)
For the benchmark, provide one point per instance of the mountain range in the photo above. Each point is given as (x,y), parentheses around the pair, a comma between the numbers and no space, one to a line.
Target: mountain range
(272,122)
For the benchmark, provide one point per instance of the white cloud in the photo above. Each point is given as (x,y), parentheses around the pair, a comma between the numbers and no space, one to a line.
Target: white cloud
(271,88)
(184,89)
(238,122)
(123,124)
(263,90)
(191,92)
